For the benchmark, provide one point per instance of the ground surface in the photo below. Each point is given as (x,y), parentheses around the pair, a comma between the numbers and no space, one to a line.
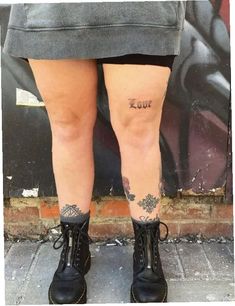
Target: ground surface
(194,271)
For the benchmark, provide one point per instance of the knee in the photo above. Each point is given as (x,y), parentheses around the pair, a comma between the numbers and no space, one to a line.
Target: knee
(71,130)
(139,133)
(70,127)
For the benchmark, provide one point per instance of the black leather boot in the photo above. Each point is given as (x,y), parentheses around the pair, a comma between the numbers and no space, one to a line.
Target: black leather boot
(68,285)
(149,284)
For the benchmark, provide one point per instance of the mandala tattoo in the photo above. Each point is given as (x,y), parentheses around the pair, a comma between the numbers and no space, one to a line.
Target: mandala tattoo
(126,186)
(149,203)
(71,211)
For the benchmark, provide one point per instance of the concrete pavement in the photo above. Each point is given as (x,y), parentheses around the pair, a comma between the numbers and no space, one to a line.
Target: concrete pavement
(195,272)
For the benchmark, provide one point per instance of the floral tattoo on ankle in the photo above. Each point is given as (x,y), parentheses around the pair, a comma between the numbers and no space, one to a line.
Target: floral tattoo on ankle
(149,203)
(126,187)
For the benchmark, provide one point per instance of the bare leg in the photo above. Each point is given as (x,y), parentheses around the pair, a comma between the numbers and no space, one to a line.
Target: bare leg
(69,89)
(136,94)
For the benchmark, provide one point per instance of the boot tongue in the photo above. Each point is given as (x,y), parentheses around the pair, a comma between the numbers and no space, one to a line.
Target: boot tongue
(152,227)
(73,233)
(148,249)
(149,226)
(148,233)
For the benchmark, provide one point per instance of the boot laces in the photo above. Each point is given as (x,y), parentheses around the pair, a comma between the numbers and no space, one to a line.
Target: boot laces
(77,238)
(141,239)
(152,226)
(64,234)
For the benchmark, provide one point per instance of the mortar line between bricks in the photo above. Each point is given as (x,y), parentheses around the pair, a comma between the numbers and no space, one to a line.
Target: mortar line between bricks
(208,262)
(180,263)
(21,293)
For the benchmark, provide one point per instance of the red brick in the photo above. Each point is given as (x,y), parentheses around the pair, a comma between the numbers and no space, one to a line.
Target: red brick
(110,230)
(24,214)
(93,208)
(118,208)
(110,218)
(52,211)
(49,211)
(173,229)
(181,211)
(26,230)
(207,229)
(223,211)
(124,229)
(202,212)
(171,211)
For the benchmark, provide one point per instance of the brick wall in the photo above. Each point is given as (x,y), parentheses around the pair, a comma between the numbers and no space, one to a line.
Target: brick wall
(32,217)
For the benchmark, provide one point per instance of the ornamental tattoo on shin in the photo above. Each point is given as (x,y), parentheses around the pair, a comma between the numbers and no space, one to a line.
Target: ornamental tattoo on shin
(71,211)
(126,187)
(149,203)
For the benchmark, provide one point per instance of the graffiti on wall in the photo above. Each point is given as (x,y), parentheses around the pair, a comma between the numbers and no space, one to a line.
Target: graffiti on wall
(195,136)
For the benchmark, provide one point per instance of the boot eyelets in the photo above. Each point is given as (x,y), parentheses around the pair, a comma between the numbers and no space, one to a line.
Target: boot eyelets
(71,255)
(147,259)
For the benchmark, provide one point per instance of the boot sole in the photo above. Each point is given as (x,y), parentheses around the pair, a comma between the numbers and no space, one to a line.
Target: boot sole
(82,299)
(134,300)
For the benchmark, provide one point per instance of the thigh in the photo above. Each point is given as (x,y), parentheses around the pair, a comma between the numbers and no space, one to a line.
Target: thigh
(68,87)
(136,92)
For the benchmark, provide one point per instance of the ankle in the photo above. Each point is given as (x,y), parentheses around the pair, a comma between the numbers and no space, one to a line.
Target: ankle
(73,214)
(145,220)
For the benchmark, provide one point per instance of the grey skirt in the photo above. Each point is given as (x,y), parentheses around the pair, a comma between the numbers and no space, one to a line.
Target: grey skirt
(94,30)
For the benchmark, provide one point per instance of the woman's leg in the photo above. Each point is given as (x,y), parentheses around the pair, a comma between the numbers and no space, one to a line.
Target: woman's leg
(69,90)
(136,95)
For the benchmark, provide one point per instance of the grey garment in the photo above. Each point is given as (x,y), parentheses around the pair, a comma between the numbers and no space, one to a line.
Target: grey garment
(94,29)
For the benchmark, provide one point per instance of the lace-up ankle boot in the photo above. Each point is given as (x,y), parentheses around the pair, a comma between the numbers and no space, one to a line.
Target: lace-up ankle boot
(68,285)
(149,284)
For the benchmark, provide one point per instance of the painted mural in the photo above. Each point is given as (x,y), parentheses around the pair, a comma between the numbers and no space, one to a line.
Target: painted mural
(195,129)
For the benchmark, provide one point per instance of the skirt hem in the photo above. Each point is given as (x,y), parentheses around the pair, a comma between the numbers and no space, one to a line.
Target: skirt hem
(92,43)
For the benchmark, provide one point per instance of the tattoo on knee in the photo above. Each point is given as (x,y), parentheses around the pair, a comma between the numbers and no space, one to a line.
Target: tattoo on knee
(71,211)
(126,187)
(149,203)
(139,104)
